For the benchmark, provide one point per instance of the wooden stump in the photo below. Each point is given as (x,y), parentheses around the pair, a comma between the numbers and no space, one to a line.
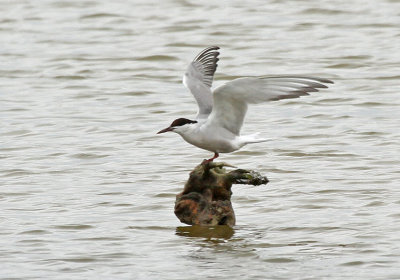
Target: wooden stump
(206,197)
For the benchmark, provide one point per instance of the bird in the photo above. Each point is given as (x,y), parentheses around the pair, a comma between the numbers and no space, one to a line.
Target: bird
(221,112)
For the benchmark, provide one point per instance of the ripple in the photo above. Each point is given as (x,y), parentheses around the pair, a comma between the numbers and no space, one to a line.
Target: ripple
(99,15)
(35,232)
(308,229)
(79,259)
(353,65)
(390,77)
(279,260)
(18,132)
(73,227)
(353,263)
(372,104)
(157,58)
(135,93)
(16,173)
(101,238)
(88,156)
(318,154)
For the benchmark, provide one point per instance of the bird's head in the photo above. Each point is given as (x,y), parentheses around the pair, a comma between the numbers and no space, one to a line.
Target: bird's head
(180,125)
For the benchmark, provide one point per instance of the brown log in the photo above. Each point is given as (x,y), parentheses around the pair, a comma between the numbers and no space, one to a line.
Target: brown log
(206,197)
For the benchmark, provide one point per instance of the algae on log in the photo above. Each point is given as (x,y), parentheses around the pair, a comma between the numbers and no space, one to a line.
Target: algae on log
(206,197)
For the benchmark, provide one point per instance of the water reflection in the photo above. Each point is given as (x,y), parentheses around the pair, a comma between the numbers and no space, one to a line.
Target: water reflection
(220,232)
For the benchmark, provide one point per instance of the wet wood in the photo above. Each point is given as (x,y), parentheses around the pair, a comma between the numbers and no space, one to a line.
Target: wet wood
(206,197)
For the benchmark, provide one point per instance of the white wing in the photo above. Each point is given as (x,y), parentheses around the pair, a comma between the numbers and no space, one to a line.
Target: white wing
(198,79)
(231,99)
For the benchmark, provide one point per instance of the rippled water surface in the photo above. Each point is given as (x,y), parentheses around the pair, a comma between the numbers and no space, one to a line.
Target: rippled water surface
(87,189)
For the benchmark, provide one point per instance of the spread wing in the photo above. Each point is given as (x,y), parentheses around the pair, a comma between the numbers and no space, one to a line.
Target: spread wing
(231,99)
(199,77)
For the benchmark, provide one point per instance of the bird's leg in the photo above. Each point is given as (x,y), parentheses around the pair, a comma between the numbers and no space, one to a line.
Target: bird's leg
(210,159)
(214,157)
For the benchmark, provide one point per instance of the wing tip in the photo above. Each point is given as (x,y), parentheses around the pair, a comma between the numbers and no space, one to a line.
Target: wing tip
(208,59)
(325,81)
(209,51)
(315,82)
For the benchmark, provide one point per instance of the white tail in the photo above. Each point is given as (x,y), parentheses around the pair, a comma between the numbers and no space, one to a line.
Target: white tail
(252,138)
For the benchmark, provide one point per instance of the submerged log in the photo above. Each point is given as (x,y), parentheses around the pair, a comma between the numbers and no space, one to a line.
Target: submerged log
(206,197)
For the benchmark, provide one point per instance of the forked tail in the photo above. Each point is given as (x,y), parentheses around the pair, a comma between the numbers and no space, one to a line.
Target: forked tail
(252,138)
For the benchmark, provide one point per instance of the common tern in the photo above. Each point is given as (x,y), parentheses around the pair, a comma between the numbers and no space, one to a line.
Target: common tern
(221,112)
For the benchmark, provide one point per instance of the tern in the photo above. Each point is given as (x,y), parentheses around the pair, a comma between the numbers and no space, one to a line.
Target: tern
(221,112)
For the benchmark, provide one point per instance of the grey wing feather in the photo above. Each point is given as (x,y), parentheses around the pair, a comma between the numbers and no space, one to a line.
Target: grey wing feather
(199,77)
(231,99)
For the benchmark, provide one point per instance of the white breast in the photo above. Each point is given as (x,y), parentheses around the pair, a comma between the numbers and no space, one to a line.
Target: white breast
(214,140)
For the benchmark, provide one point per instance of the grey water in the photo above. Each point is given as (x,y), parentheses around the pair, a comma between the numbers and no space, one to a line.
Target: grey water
(87,188)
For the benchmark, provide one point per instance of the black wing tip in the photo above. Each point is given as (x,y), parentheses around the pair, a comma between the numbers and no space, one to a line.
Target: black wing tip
(208,58)
(207,52)
(325,81)
(322,80)
(212,48)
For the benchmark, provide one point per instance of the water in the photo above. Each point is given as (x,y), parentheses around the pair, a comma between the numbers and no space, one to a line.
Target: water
(87,189)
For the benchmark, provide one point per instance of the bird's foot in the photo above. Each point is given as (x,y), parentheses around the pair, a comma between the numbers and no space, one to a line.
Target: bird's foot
(206,161)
